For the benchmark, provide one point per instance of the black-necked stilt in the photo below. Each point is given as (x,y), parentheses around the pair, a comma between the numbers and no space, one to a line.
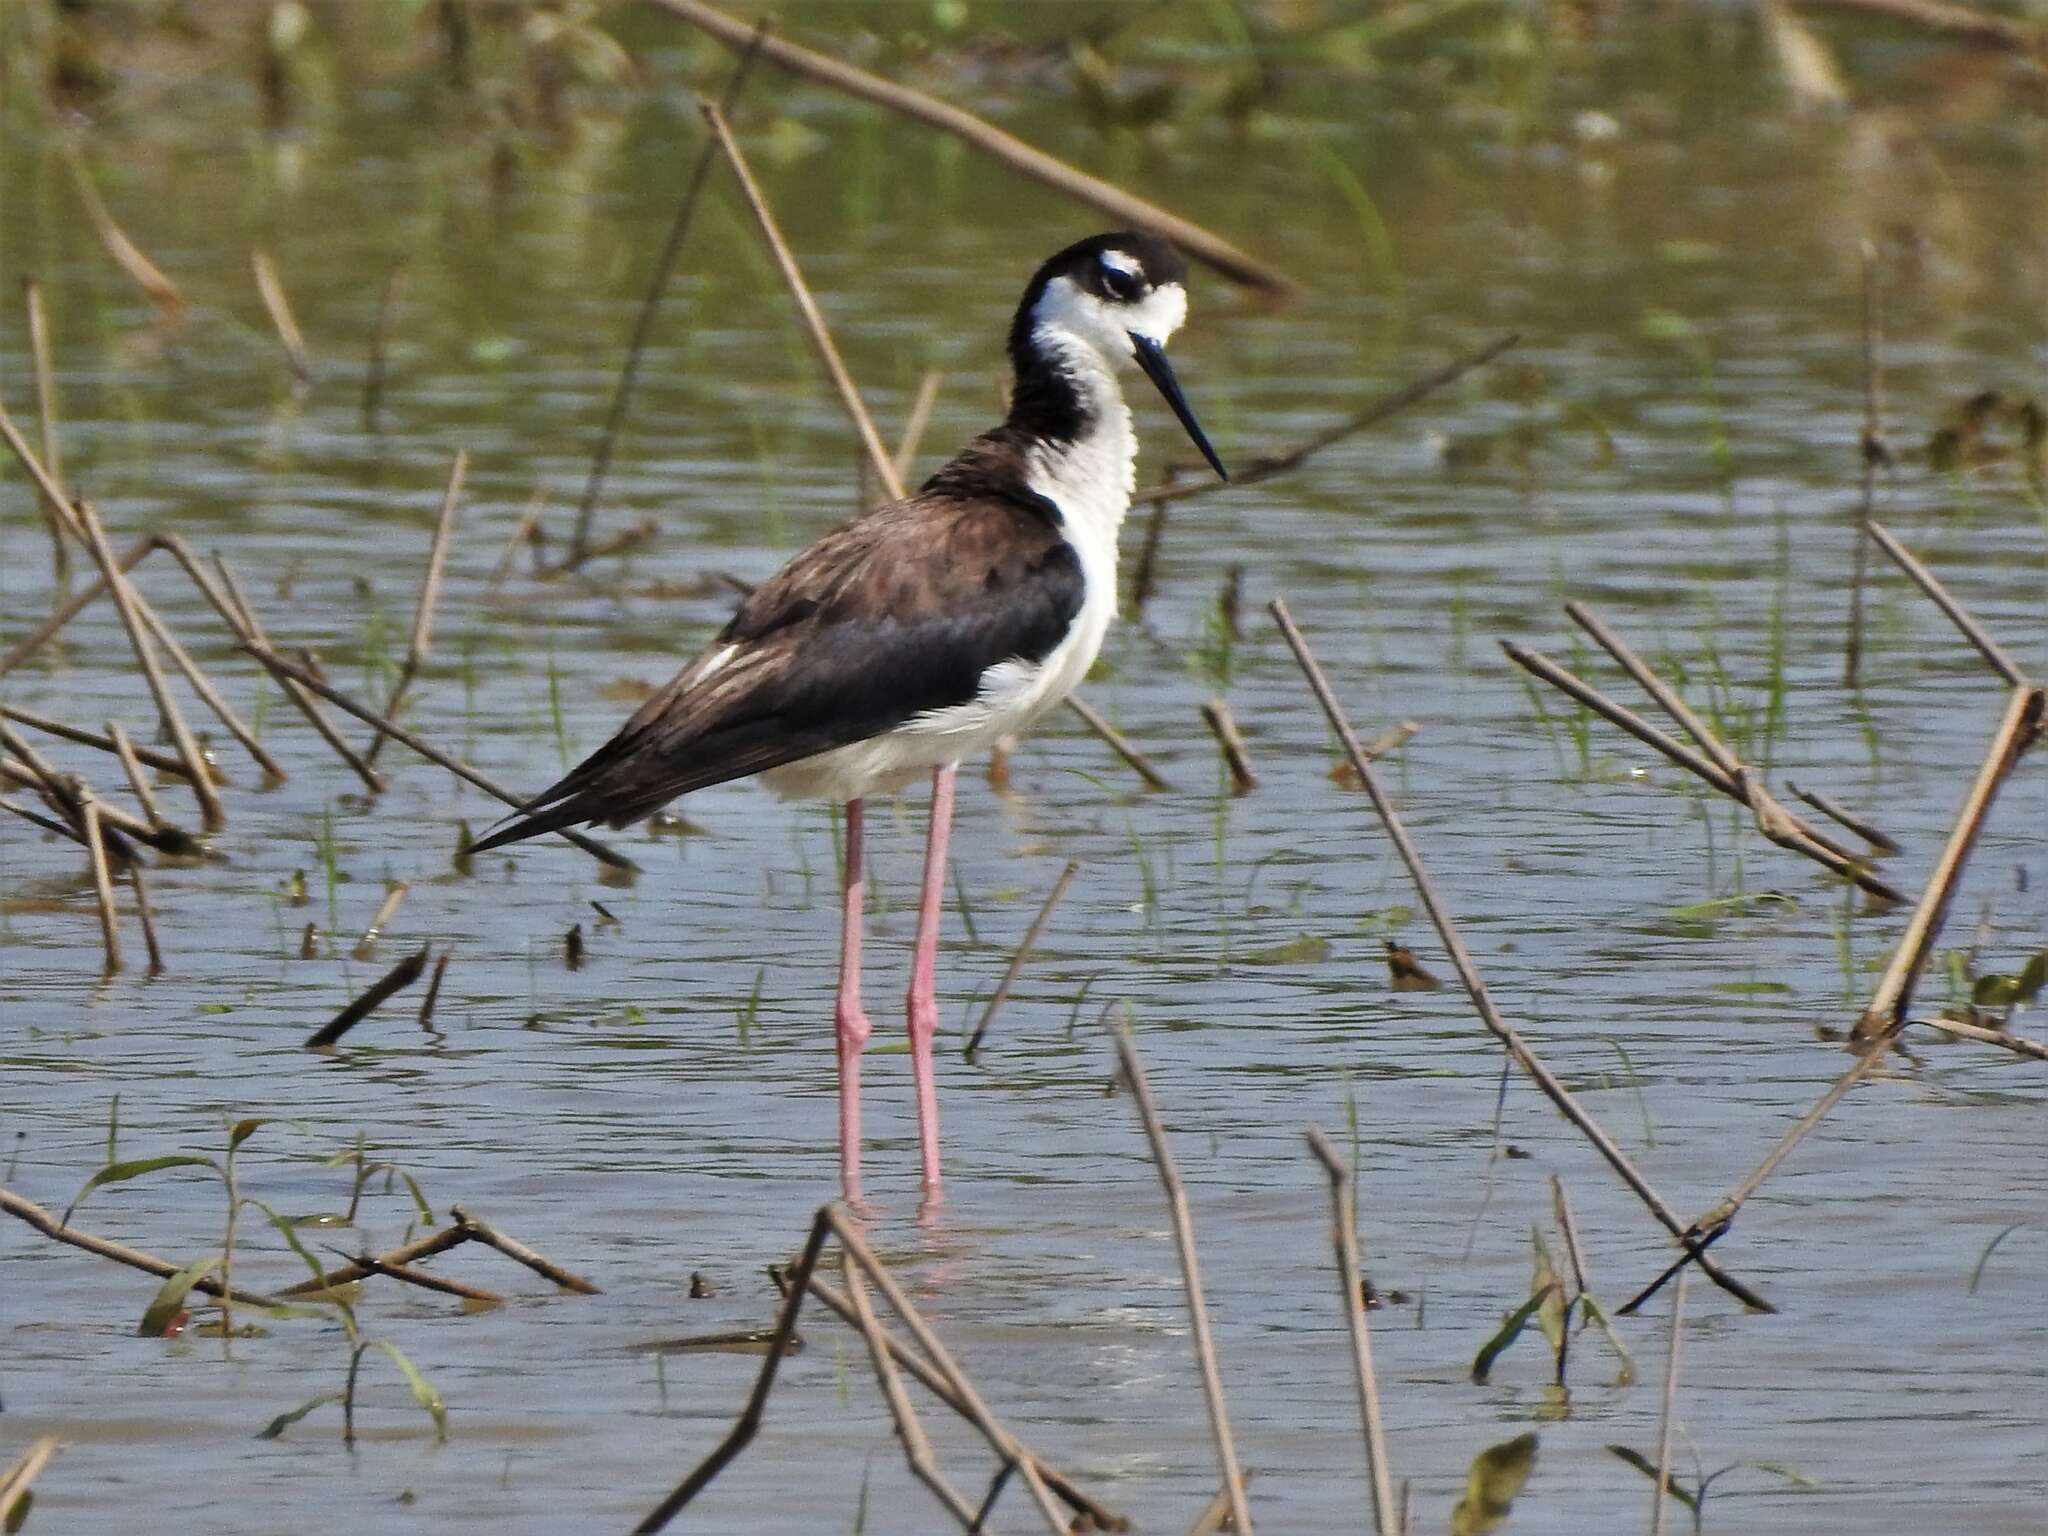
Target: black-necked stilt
(922,632)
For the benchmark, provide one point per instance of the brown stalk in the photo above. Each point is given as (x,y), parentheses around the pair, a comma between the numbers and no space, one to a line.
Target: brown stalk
(46,427)
(1781,829)
(279,308)
(917,1447)
(138,781)
(1836,812)
(47,823)
(1223,726)
(1885,1017)
(1191,1278)
(1023,953)
(1475,988)
(162,762)
(1966,23)
(144,273)
(203,686)
(430,595)
(425,1281)
(434,989)
(1871,450)
(1282,460)
(394,898)
(1959,616)
(1000,1440)
(1344,1237)
(1118,743)
(148,918)
(2019,1045)
(102,884)
(233,605)
(397,979)
(914,424)
(1668,1418)
(1099,1517)
(749,1422)
(284,670)
(70,608)
(64,793)
(28,1211)
(878,459)
(19,1477)
(419,1248)
(1197,242)
(643,324)
(518,1252)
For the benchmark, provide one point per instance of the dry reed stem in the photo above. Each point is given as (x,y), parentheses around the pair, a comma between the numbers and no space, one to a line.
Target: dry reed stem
(47,823)
(1223,726)
(1195,241)
(1836,812)
(147,918)
(138,781)
(749,1421)
(419,1248)
(239,614)
(1350,1285)
(1099,1517)
(917,1447)
(643,323)
(425,1281)
(102,884)
(64,792)
(1967,23)
(162,762)
(27,1210)
(1282,460)
(380,338)
(1886,1015)
(1871,451)
(2019,1045)
(916,422)
(46,429)
(519,1253)
(1475,988)
(430,595)
(1780,828)
(1972,631)
(1191,1278)
(394,898)
(434,989)
(279,308)
(284,670)
(71,607)
(144,273)
(19,1477)
(397,979)
(815,329)
(1667,1419)
(1023,953)
(1000,1440)
(1118,743)
(208,694)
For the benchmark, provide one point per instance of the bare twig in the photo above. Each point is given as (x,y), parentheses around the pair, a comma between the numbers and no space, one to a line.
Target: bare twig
(915,423)
(1191,1277)
(27,1210)
(430,594)
(380,339)
(1959,616)
(162,762)
(397,979)
(46,428)
(517,1251)
(1024,949)
(1968,23)
(2019,1045)
(749,1421)
(419,1248)
(138,781)
(279,308)
(425,1281)
(394,898)
(70,608)
(1118,743)
(1475,987)
(643,324)
(1223,726)
(1836,812)
(141,271)
(1667,1419)
(19,1477)
(1344,1237)
(992,141)
(284,670)
(102,884)
(140,887)
(1873,453)
(1282,460)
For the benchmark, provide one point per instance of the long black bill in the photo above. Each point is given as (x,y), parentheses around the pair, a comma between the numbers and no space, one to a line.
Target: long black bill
(1152,358)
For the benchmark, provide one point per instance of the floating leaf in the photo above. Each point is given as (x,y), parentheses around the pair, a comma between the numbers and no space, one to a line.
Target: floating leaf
(169,1301)
(117,1173)
(423,1391)
(1491,1484)
(1509,1332)
(285,1421)
(1649,1469)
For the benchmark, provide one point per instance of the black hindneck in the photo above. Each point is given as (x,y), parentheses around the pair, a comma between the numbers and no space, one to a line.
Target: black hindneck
(1046,401)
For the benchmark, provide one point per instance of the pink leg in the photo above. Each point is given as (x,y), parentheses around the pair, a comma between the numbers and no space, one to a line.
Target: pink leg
(924,1002)
(850,1023)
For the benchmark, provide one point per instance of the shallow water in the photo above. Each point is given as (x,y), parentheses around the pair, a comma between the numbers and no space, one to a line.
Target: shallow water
(1674,440)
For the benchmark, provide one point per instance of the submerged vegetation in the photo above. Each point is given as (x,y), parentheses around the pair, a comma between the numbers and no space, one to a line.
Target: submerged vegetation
(450,298)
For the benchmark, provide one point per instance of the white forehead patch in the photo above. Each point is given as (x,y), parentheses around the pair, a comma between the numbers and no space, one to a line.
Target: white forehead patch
(1160,313)
(1119,263)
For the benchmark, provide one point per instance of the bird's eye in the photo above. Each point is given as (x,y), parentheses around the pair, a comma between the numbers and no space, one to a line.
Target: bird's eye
(1121,283)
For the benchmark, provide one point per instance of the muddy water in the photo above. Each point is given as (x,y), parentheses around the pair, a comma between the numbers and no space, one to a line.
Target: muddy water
(1674,440)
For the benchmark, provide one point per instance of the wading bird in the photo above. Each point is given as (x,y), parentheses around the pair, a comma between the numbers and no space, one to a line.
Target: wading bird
(923,631)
